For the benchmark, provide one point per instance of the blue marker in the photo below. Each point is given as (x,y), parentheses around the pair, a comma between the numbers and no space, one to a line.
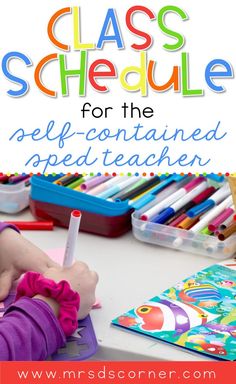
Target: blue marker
(216,198)
(153,193)
(179,204)
(216,178)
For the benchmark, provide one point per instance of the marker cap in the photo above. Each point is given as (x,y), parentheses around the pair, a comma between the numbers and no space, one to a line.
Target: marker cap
(188,187)
(76,213)
(201,208)
(164,216)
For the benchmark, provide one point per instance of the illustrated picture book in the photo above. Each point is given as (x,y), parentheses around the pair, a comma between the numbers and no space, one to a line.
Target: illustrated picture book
(198,314)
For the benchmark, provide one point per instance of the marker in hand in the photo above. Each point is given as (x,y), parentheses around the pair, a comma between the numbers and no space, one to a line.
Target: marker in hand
(72,238)
(71,244)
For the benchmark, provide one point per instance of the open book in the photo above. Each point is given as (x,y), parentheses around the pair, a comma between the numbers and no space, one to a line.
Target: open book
(198,314)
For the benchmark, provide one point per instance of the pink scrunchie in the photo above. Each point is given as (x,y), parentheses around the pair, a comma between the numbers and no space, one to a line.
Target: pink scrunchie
(34,283)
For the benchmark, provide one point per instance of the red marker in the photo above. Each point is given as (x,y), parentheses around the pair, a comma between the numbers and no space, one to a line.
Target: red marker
(33,225)
(4,178)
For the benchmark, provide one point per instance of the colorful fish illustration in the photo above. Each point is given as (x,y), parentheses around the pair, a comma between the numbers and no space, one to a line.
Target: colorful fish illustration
(127,321)
(208,304)
(223,328)
(227,283)
(166,315)
(194,292)
(214,347)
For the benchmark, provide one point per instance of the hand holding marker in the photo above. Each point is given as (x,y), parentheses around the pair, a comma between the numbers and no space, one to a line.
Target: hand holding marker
(69,256)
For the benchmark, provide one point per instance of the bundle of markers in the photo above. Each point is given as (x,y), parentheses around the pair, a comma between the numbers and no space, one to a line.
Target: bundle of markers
(135,190)
(196,206)
(185,202)
(14,179)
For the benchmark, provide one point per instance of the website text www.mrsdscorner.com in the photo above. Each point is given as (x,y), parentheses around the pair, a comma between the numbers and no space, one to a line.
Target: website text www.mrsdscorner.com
(105,374)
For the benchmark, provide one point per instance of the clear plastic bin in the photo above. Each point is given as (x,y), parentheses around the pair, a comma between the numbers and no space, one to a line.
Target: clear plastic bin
(14,197)
(183,240)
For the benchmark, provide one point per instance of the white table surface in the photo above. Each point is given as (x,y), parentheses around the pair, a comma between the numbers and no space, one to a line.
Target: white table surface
(130,272)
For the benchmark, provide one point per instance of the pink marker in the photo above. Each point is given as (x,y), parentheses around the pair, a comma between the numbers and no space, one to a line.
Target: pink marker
(178,220)
(213,226)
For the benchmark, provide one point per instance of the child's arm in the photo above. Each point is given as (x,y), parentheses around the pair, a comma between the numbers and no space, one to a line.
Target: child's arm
(29,332)
(18,255)
(32,329)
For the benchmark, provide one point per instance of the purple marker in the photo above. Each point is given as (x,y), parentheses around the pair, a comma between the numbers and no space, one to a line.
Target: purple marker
(94,182)
(17,179)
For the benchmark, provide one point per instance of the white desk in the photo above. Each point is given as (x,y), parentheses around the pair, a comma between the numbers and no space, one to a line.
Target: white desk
(130,272)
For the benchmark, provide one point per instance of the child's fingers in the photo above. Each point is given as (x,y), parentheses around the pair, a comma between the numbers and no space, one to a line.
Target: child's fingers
(5,285)
(94,276)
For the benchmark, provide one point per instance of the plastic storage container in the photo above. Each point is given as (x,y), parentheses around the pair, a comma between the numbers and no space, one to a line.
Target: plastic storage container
(183,240)
(53,202)
(14,197)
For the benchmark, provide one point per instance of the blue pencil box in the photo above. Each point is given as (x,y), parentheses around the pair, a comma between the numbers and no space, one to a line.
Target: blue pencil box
(53,202)
(50,201)
(107,218)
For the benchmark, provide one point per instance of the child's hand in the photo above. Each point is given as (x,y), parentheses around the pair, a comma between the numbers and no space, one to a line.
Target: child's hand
(18,255)
(81,280)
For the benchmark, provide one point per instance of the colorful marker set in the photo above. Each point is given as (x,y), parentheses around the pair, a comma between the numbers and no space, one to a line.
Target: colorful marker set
(198,217)
(117,189)
(14,193)
(183,212)
(13,179)
(106,202)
